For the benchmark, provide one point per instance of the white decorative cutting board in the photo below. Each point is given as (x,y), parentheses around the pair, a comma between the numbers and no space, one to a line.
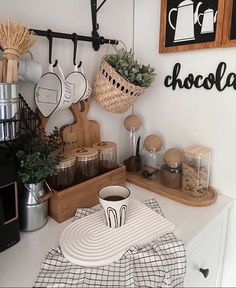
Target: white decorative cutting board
(88,242)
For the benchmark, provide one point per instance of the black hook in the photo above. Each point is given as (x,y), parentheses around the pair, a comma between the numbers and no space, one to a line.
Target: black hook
(50,38)
(75,39)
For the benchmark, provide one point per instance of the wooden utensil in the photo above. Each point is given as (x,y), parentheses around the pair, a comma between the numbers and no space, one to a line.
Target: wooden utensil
(1,70)
(83,132)
(4,70)
(10,68)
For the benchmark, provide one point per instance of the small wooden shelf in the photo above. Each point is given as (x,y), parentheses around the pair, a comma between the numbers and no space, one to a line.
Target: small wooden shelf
(178,195)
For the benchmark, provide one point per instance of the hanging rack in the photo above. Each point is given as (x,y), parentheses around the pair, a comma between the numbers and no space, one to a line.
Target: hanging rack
(95,39)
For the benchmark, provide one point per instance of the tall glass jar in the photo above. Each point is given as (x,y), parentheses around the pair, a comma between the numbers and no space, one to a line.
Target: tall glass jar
(107,155)
(86,163)
(66,170)
(196,170)
(132,124)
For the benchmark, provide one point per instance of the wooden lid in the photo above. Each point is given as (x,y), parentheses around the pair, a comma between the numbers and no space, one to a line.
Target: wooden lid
(132,123)
(173,157)
(152,143)
(105,146)
(67,161)
(85,153)
(197,151)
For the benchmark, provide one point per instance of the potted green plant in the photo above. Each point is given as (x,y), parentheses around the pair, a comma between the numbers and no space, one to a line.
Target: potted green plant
(37,158)
(120,80)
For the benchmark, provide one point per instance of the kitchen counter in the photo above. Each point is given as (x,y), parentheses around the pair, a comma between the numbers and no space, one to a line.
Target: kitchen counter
(20,264)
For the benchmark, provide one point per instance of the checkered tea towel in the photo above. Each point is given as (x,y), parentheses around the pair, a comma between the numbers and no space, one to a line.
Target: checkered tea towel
(161,263)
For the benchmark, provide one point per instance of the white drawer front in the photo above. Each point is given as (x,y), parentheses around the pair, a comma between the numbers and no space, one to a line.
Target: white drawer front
(205,256)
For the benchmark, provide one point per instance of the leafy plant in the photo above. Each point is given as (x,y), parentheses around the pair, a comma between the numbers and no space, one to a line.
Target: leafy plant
(125,65)
(37,155)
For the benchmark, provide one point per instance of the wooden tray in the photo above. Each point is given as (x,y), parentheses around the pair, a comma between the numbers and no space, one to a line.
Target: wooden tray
(63,204)
(178,195)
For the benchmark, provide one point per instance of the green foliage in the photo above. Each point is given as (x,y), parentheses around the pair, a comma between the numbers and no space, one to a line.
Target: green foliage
(125,64)
(36,155)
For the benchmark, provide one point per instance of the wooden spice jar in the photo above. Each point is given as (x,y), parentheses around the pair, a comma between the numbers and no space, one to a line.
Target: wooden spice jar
(196,167)
(86,163)
(171,170)
(107,155)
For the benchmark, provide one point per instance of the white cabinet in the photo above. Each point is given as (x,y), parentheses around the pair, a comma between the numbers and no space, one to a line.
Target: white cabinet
(204,262)
(203,230)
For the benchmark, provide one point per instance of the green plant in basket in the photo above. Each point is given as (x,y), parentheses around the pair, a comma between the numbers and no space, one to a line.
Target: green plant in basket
(125,65)
(37,155)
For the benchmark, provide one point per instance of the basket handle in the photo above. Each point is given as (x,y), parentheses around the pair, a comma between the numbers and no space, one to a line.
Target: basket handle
(115,46)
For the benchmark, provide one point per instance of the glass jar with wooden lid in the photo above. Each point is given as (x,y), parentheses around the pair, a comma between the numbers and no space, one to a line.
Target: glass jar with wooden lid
(86,163)
(66,171)
(107,155)
(152,153)
(171,170)
(196,169)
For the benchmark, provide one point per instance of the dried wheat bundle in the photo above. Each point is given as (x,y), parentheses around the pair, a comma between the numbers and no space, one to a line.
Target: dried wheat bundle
(15,39)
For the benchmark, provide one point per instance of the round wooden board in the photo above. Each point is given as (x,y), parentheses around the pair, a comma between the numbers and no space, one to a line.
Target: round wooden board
(177,195)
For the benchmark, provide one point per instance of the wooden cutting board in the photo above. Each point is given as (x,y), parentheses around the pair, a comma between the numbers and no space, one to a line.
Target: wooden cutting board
(83,132)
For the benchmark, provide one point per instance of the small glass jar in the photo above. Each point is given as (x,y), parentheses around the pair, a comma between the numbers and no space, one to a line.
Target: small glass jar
(152,153)
(66,171)
(86,163)
(196,168)
(107,155)
(171,171)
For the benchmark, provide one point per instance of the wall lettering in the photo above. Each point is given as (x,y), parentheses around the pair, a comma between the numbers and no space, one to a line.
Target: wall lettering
(220,80)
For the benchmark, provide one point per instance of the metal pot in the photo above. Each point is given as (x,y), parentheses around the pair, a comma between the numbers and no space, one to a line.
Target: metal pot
(33,211)
(9,111)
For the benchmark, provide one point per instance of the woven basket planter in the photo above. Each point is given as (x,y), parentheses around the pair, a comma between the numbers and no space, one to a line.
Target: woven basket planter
(112,91)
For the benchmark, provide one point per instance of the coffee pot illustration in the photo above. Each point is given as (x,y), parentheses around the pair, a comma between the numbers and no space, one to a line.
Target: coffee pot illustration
(185,20)
(208,21)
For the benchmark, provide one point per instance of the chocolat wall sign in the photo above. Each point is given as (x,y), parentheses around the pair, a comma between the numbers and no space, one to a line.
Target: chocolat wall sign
(220,79)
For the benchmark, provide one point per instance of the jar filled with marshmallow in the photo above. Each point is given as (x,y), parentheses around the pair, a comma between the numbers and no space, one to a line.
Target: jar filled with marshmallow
(196,170)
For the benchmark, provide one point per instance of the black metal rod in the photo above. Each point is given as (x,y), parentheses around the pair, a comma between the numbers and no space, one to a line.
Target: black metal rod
(100,6)
(99,40)
(94,15)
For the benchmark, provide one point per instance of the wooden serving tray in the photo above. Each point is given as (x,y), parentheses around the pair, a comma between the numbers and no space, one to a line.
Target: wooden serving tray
(63,204)
(178,195)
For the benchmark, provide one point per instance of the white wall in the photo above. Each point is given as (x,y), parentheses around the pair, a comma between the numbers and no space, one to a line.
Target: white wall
(180,117)
(75,16)
(198,116)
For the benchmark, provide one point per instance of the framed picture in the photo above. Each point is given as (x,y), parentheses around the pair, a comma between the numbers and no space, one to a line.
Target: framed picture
(229,26)
(190,24)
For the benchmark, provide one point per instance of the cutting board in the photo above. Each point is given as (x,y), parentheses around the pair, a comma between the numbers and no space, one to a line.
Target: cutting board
(83,132)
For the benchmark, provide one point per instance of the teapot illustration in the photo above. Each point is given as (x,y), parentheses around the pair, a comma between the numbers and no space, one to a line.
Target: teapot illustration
(185,20)
(208,21)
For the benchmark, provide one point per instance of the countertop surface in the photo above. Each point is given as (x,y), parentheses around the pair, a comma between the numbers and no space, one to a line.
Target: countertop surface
(20,264)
